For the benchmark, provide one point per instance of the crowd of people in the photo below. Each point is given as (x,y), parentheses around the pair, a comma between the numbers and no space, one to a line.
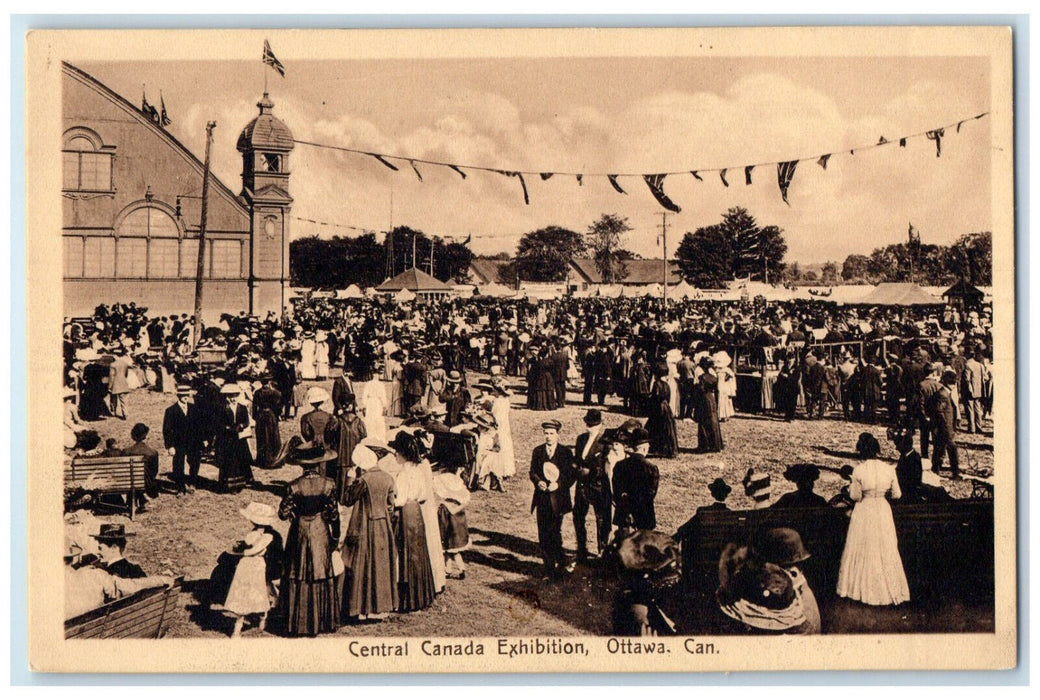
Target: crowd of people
(404,374)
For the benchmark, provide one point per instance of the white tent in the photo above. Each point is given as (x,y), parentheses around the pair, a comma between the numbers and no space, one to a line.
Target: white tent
(351,292)
(683,290)
(404,295)
(494,289)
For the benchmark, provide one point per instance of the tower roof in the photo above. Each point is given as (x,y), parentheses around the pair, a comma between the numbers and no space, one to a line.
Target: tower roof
(266,131)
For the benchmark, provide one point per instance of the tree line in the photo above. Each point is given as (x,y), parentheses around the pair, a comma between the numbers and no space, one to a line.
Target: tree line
(737,247)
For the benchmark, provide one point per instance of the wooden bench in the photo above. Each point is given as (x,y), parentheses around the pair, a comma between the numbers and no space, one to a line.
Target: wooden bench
(144,615)
(946,548)
(122,475)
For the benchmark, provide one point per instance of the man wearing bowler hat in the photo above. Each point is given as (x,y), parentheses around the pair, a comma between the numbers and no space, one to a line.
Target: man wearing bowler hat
(111,546)
(593,487)
(635,487)
(553,473)
(182,439)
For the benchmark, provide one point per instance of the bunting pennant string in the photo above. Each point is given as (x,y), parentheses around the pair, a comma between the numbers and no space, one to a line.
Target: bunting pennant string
(384,161)
(785,168)
(656,185)
(784,175)
(937,136)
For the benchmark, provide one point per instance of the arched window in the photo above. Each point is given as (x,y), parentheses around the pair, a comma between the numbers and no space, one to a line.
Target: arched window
(87,163)
(148,244)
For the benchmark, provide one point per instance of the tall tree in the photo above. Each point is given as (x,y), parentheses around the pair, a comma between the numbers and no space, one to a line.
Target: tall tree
(971,258)
(544,255)
(736,247)
(607,253)
(829,272)
(855,267)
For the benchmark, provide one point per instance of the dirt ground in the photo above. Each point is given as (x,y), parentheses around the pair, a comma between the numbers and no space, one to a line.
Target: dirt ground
(503,593)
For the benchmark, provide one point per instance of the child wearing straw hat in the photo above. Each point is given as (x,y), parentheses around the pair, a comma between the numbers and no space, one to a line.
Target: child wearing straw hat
(250,592)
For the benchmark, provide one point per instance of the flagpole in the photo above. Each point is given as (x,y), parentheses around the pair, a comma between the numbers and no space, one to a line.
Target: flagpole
(201,265)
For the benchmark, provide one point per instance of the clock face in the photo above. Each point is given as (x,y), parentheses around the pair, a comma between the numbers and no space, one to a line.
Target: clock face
(270,228)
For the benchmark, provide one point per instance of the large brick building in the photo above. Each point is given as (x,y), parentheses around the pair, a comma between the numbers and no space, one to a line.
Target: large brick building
(132,211)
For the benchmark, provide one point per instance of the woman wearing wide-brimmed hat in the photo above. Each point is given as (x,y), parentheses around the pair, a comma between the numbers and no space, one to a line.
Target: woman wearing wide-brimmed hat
(706,408)
(417,585)
(660,422)
(369,550)
(309,603)
(231,442)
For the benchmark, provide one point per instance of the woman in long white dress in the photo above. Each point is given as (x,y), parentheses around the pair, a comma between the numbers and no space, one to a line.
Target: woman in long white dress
(308,349)
(871,569)
(372,403)
(727,384)
(500,409)
(321,355)
(671,359)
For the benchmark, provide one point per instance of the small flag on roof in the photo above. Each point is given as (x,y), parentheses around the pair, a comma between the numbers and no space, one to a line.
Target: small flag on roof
(270,59)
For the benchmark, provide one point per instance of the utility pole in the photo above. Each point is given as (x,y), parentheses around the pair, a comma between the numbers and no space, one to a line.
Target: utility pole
(414,261)
(664,261)
(200,268)
(433,246)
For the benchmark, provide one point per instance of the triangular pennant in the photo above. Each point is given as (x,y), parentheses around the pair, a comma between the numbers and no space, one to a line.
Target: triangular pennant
(458,170)
(417,173)
(614,183)
(722,176)
(747,174)
(822,162)
(784,175)
(578,177)
(937,135)
(696,175)
(882,141)
(384,161)
(546,176)
(656,185)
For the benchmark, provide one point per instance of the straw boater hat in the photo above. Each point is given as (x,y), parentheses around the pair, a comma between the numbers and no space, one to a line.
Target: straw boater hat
(317,395)
(230,389)
(454,377)
(258,513)
(311,453)
(183,390)
(449,487)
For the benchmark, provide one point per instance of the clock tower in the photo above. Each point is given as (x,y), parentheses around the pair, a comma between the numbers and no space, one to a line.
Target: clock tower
(265,145)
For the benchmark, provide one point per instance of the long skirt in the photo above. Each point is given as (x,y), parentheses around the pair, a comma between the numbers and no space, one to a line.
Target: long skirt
(416,585)
(372,576)
(248,591)
(433,544)
(268,440)
(709,432)
(871,569)
(664,439)
(310,608)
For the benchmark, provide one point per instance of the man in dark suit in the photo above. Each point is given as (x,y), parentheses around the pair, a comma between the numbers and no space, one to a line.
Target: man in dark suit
(942,417)
(111,545)
(181,438)
(593,486)
(553,473)
(341,389)
(560,364)
(635,487)
(926,389)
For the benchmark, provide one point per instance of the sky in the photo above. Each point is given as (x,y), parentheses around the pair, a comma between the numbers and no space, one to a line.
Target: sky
(605,115)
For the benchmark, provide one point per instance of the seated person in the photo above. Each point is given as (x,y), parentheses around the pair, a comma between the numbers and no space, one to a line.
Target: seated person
(910,472)
(804,477)
(111,545)
(720,491)
(151,462)
(90,587)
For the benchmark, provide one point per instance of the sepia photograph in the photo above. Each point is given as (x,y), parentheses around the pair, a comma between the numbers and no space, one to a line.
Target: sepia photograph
(521,350)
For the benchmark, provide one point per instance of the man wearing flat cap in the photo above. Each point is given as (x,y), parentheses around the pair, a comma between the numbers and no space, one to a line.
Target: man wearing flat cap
(635,487)
(593,486)
(552,473)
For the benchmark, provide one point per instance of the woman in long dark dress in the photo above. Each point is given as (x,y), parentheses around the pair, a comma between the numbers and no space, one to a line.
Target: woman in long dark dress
(417,587)
(308,603)
(344,433)
(544,384)
(267,402)
(660,422)
(641,384)
(231,442)
(368,549)
(706,409)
